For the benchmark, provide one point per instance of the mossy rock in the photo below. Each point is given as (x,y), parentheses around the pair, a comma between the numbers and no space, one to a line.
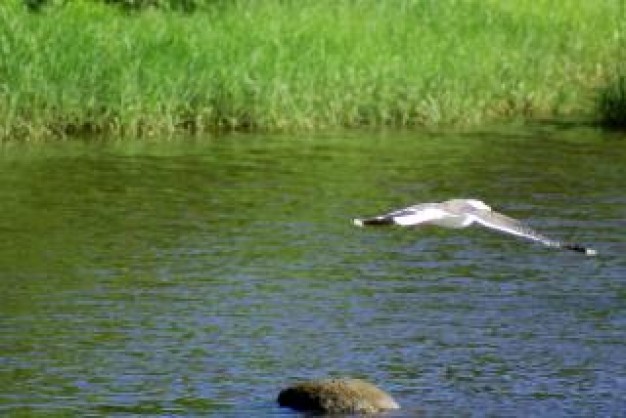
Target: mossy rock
(336,396)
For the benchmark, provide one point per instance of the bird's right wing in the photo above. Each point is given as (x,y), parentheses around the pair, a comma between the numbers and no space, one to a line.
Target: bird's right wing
(503,223)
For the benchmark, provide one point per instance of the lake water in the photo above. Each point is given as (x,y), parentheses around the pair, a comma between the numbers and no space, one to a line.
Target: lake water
(200,277)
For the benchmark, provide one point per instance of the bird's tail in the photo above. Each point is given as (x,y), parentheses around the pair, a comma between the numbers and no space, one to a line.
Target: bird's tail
(579,249)
(377,221)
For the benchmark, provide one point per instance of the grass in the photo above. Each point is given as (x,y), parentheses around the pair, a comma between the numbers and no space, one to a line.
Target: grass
(272,65)
(612,103)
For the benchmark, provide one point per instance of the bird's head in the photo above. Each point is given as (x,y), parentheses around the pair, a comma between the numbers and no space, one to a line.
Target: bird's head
(478,204)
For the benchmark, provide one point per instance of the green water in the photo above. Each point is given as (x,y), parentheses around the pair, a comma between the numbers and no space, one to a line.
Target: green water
(199,277)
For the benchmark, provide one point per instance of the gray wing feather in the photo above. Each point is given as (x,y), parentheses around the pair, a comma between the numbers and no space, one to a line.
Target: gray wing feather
(416,215)
(408,211)
(503,223)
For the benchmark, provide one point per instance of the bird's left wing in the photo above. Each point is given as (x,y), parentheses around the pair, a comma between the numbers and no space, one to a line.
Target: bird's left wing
(411,216)
(416,215)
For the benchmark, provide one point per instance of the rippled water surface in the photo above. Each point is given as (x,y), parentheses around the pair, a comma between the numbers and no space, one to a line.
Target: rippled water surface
(199,277)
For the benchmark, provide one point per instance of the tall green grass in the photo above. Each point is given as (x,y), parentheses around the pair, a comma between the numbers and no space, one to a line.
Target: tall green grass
(290,65)
(612,103)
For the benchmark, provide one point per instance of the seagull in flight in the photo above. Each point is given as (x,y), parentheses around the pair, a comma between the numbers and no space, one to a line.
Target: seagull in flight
(461,213)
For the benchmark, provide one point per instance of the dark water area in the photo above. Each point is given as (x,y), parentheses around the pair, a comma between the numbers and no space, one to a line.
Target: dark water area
(199,277)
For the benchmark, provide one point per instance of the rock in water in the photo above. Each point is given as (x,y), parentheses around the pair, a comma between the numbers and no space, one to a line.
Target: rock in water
(336,396)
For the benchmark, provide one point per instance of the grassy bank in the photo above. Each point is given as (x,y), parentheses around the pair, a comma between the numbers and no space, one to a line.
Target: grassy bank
(612,103)
(277,65)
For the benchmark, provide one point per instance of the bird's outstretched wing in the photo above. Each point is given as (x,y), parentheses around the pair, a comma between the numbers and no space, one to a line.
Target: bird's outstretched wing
(503,223)
(411,216)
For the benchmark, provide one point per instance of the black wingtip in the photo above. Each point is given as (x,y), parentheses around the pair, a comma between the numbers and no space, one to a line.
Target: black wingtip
(580,249)
(373,222)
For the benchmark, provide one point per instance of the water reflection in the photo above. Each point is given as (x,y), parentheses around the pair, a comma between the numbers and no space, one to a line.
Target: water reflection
(199,277)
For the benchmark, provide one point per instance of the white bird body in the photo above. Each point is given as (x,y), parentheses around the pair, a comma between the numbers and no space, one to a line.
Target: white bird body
(461,213)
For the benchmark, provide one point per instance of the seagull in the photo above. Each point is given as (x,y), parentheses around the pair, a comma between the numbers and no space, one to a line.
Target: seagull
(461,213)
